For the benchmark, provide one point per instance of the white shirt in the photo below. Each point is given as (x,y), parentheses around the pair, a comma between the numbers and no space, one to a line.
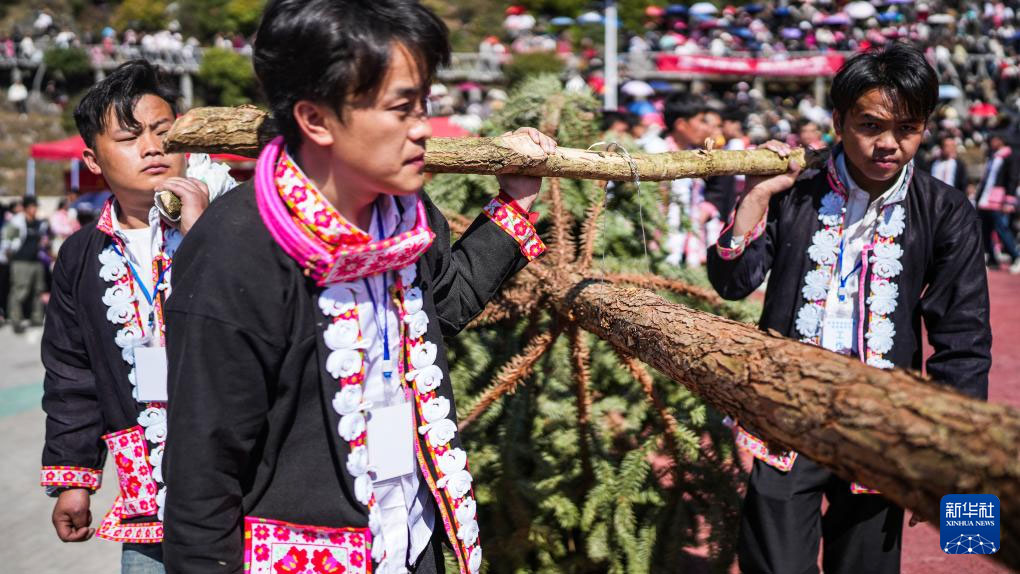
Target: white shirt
(859,223)
(944,170)
(407,514)
(141,246)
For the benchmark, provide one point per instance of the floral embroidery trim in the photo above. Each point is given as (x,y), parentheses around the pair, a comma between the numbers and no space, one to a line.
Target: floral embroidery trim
(114,530)
(123,308)
(71,476)
(347,259)
(416,366)
(276,547)
(780,461)
(734,251)
(517,226)
(137,485)
(884,261)
(858,488)
(316,215)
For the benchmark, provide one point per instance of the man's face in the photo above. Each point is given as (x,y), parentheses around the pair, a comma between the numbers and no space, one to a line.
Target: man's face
(30,211)
(878,142)
(693,131)
(731,129)
(379,147)
(810,134)
(949,148)
(132,161)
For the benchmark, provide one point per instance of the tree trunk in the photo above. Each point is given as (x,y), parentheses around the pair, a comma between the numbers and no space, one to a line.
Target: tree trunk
(894,431)
(245,129)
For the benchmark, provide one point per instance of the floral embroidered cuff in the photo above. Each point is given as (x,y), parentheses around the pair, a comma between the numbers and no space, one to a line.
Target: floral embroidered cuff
(517,226)
(738,244)
(71,476)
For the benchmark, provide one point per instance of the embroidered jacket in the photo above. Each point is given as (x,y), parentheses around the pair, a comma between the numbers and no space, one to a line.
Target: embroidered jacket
(943,278)
(255,435)
(88,392)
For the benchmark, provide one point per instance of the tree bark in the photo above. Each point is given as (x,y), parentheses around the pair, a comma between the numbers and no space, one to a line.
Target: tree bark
(894,431)
(244,130)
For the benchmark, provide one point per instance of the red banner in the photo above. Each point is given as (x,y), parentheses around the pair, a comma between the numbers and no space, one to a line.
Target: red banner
(811,66)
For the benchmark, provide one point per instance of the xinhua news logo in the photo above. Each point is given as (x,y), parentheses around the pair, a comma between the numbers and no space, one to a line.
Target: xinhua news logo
(969,524)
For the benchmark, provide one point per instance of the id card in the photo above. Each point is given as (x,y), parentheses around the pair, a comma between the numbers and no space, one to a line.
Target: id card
(838,329)
(150,374)
(391,441)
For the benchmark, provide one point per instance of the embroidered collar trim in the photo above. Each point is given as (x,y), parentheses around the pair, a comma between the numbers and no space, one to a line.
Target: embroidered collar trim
(310,230)
(884,262)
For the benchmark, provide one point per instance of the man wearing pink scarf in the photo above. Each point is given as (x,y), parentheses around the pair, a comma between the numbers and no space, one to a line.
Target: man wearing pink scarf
(311,404)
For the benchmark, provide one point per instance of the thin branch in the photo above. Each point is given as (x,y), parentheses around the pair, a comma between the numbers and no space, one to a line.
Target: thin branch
(644,378)
(580,355)
(591,228)
(512,374)
(563,247)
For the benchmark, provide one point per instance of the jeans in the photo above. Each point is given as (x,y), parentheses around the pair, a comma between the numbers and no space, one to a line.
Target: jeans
(997,222)
(142,559)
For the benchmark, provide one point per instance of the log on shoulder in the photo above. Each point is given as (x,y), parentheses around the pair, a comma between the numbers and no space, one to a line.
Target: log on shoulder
(245,129)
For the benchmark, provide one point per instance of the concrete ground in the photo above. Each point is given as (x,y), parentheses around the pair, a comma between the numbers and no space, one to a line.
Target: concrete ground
(30,544)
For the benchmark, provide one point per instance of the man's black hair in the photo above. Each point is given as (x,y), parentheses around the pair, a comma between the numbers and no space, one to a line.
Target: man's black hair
(682,106)
(120,91)
(735,114)
(327,51)
(29,201)
(899,70)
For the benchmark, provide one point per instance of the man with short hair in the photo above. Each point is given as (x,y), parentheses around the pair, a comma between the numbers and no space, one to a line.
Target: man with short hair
(26,235)
(997,200)
(311,409)
(103,342)
(949,168)
(859,254)
(689,123)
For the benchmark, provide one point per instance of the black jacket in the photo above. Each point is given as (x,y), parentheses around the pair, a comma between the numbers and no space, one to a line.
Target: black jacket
(252,429)
(943,279)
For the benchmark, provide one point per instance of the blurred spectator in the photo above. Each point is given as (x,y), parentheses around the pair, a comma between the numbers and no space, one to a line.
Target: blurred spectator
(25,237)
(949,168)
(17,95)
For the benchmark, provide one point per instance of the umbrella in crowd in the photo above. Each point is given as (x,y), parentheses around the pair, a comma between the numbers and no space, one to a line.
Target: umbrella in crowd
(676,9)
(590,18)
(791,33)
(561,21)
(860,10)
(654,11)
(703,8)
(641,107)
(836,20)
(637,89)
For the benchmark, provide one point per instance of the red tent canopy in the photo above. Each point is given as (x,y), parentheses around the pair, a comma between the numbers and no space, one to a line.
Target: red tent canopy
(71,148)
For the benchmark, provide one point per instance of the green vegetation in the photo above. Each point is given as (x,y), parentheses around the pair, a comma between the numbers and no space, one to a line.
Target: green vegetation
(227,77)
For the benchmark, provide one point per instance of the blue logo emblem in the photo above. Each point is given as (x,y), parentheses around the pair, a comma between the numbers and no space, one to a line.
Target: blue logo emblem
(969,524)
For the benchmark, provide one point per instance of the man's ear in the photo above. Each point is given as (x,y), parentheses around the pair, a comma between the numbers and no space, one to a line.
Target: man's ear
(837,123)
(314,122)
(89,157)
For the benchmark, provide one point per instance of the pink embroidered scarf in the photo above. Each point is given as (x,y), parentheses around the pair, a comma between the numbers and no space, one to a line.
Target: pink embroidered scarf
(311,231)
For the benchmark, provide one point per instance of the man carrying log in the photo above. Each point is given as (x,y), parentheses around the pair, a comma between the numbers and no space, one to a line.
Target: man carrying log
(859,254)
(309,390)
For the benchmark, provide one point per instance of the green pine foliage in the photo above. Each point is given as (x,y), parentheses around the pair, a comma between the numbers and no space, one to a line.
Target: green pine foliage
(554,498)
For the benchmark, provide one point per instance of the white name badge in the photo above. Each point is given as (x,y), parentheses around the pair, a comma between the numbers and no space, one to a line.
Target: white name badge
(838,334)
(391,441)
(150,374)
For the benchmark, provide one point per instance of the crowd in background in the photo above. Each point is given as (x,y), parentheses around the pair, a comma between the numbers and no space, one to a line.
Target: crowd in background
(973,142)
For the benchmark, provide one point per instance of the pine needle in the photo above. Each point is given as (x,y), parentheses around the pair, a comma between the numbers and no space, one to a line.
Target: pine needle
(513,372)
(589,231)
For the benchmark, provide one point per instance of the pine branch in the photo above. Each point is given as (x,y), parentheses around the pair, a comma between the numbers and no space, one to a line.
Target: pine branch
(591,228)
(515,371)
(644,378)
(580,355)
(563,247)
(656,283)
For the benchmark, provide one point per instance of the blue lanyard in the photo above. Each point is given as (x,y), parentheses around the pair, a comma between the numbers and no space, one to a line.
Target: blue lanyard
(839,272)
(150,297)
(385,328)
